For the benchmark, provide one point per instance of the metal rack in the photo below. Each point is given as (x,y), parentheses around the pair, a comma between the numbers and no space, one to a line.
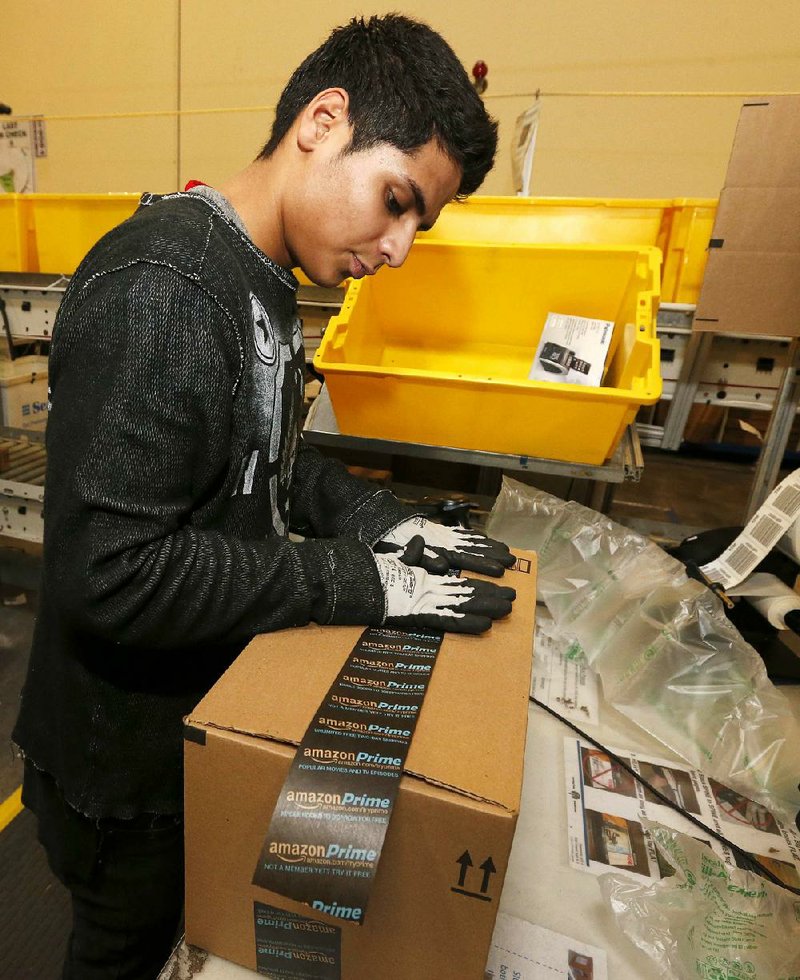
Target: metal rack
(29,302)
(22,484)
(713,369)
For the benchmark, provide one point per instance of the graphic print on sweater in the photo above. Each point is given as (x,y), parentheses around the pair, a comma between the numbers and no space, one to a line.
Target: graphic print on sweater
(274,389)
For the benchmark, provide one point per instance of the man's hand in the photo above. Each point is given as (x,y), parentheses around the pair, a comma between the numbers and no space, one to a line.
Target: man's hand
(415,598)
(447,547)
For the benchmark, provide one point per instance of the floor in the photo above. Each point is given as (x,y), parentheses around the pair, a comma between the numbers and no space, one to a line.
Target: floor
(675,492)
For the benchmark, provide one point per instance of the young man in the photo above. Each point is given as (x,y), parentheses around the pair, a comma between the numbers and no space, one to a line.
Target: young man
(175,466)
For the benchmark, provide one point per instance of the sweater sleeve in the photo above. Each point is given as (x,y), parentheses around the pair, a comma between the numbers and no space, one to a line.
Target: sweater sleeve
(143,368)
(329,501)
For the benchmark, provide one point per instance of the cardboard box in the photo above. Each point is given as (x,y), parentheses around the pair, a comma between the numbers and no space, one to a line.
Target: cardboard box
(752,278)
(23,393)
(434,900)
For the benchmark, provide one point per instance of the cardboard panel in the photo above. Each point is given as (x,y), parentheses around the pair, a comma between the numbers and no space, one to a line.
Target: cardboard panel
(766,144)
(752,279)
(758,219)
(751,293)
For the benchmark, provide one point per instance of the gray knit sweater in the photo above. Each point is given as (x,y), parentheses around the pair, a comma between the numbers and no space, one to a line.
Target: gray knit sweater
(175,468)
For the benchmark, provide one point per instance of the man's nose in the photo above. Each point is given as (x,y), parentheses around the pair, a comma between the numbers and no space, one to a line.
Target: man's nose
(396,244)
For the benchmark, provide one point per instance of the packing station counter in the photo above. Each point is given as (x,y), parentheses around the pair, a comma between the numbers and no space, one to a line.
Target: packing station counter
(541,885)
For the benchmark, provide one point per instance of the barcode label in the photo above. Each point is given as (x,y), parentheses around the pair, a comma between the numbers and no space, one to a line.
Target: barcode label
(788,500)
(742,557)
(766,530)
(779,512)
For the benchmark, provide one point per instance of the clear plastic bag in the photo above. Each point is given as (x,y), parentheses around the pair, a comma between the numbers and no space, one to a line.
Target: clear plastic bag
(667,655)
(708,920)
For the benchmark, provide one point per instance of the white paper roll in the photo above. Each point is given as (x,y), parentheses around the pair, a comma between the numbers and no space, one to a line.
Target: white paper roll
(775,609)
(770,596)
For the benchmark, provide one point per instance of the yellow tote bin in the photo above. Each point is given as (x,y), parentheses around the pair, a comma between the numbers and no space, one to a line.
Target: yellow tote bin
(687,250)
(679,227)
(68,225)
(439,351)
(13,254)
(555,220)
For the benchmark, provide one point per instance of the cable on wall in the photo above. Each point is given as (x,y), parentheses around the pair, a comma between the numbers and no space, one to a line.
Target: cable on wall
(151,114)
(178,97)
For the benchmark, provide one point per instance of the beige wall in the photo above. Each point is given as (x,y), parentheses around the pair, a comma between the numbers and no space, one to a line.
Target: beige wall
(98,56)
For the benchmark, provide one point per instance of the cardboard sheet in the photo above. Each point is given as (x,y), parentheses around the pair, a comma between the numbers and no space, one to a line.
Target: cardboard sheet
(752,279)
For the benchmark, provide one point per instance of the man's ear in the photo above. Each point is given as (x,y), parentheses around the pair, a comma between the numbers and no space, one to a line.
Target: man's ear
(322,118)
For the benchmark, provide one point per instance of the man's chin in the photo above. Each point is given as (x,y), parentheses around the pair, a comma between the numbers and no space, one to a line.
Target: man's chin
(327,280)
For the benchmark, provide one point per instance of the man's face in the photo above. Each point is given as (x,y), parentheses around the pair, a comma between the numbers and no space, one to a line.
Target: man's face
(360,211)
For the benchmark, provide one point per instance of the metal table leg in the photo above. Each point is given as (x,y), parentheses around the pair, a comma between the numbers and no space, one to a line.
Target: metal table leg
(777,436)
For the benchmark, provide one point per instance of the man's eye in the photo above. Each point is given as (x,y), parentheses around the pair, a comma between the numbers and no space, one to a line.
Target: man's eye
(393,205)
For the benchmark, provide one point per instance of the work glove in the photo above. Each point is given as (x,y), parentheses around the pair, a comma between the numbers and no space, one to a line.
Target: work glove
(414,598)
(447,547)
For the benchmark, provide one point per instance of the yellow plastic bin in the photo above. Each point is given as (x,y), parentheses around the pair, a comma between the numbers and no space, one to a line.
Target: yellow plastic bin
(686,252)
(553,220)
(68,225)
(13,242)
(439,351)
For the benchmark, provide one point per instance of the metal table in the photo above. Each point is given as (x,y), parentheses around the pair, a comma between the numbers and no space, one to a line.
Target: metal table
(626,464)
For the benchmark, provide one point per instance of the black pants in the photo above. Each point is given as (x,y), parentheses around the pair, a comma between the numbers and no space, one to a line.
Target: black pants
(126,882)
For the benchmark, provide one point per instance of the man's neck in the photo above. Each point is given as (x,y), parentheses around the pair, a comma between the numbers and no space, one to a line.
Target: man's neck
(255,194)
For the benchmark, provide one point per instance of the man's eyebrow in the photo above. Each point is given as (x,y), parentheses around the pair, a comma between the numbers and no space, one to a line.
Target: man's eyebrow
(419,198)
(420,204)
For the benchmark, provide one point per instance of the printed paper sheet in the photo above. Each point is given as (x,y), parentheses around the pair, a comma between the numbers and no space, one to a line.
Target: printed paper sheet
(605,805)
(561,677)
(522,951)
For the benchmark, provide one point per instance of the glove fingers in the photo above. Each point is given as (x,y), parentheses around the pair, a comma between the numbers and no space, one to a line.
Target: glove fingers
(494,608)
(386,548)
(415,553)
(505,558)
(472,563)
(485,599)
(486,558)
(491,591)
(434,564)
(466,623)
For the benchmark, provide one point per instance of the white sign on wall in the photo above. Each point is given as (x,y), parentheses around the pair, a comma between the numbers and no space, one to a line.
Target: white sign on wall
(17,170)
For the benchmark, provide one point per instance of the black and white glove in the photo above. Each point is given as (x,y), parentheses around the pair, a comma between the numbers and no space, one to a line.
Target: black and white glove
(447,547)
(414,598)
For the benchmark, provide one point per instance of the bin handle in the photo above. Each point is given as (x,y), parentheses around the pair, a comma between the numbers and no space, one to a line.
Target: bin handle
(339,335)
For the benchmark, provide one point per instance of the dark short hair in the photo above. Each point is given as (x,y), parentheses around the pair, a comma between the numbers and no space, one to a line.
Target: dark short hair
(405,87)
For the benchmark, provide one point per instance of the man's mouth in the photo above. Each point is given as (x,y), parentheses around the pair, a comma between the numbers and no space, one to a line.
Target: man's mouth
(357,268)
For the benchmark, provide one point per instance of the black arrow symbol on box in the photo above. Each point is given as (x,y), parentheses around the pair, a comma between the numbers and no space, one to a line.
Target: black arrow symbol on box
(466,862)
(488,869)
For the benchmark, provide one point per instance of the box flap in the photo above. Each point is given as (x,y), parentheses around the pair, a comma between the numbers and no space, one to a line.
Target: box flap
(767,144)
(471,732)
(750,292)
(758,219)
(752,277)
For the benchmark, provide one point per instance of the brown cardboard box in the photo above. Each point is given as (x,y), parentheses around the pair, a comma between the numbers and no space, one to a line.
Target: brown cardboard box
(459,795)
(752,279)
